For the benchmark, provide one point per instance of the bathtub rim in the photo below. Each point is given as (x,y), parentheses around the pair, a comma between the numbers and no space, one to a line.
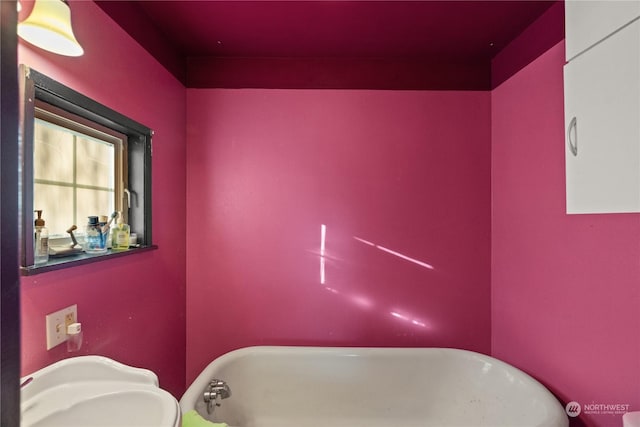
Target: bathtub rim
(196,388)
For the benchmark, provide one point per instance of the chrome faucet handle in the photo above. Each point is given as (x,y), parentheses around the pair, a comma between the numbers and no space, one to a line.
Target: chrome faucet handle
(214,393)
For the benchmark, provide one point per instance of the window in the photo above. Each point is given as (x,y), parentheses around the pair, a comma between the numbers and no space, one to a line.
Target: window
(79,169)
(79,159)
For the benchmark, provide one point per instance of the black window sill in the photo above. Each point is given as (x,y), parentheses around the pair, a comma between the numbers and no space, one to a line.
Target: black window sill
(81,259)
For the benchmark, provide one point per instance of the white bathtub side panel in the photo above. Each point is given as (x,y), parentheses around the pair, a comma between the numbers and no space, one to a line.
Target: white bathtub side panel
(301,386)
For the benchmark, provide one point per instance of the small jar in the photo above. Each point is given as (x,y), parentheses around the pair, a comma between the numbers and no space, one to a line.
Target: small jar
(74,337)
(95,242)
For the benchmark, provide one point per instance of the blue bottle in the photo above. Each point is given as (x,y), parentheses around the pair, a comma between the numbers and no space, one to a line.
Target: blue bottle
(95,243)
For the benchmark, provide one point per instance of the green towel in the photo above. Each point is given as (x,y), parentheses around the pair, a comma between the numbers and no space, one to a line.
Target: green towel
(193,419)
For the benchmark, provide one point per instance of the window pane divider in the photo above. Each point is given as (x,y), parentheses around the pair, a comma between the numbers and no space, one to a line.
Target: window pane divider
(71,185)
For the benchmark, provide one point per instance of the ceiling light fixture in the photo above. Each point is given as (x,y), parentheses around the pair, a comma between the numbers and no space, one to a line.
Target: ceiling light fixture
(49,27)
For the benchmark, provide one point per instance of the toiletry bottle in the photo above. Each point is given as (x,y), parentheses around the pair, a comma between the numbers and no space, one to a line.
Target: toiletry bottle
(74,337)
(121,234)
(94,242)
(104,230)
(41,248)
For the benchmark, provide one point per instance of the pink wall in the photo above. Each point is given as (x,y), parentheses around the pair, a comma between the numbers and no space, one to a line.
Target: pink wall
(402,171)
(565,288)
(403,182)
(132,308)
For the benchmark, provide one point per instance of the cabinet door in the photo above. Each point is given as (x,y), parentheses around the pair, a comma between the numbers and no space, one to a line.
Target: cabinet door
(602,116)
(589,21)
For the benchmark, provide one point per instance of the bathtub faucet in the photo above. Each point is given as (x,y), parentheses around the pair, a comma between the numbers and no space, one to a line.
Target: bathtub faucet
(214,393)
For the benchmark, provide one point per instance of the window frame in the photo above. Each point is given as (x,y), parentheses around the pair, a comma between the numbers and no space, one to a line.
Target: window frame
(37,86)
(75,124)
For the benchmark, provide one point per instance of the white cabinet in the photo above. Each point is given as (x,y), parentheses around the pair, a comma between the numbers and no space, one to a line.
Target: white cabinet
(589,21)
(602,119)
(602,111)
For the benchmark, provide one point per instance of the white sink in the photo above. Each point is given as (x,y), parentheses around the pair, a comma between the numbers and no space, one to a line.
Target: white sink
(95,391)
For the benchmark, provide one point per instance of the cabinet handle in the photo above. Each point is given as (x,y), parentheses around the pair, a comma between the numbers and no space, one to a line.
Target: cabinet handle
(573,142)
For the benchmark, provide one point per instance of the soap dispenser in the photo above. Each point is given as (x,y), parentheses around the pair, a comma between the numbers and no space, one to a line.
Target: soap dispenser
(120,234)
(41,243)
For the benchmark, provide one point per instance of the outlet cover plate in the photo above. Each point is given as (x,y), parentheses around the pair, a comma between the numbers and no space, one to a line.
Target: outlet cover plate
(57,323)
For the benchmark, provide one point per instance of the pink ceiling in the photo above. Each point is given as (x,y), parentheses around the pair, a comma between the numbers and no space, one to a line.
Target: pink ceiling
(469,31)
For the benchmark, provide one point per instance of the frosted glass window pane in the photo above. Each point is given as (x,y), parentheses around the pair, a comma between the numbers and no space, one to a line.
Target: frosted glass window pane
(52,152)
(57,205)
(93,203)
(95,163)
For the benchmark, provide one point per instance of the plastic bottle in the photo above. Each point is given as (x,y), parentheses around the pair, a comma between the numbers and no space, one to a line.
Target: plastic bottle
(41,243)
(121,234)
(104,230)
(74,337)
(95,243)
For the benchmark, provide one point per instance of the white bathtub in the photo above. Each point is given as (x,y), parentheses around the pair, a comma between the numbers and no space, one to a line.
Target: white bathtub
(390,387)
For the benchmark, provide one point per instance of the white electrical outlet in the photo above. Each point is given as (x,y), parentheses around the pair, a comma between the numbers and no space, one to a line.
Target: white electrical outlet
(57,325)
